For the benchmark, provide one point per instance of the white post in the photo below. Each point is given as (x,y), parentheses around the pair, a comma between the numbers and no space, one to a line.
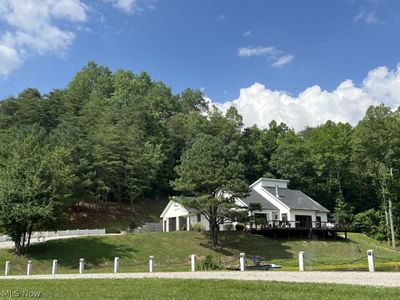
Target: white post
(54,267)
(7,270)
(116,264)
(301,261)
(151,264)
(242,261)
(177,223)
(81,265)
(29,268)
(194,262)
(371,260)
(188,223)
(167,229)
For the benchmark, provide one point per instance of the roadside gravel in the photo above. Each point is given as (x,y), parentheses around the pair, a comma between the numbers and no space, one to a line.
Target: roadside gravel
(386,279)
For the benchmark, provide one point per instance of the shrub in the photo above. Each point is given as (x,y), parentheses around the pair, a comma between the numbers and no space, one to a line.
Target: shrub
(210,263)
(113,230)
(239,227)
(198,227)
(132,225)
(228,227)
(370,222)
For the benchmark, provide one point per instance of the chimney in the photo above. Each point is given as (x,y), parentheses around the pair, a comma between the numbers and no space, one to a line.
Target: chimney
(276,191)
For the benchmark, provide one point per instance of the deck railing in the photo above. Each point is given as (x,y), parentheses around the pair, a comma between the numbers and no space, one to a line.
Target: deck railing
(296,224)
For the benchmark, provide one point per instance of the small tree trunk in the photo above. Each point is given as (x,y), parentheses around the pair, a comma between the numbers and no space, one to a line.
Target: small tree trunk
(28,242)
(23,243)
(18,247)
(391,224)
(387,224)
(213,226)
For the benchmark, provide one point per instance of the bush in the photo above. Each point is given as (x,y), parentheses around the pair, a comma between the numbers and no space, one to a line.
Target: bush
(113,230)
(210,263)
(228,227)
(239,227)
(132,225)
(198,227)
(370,222)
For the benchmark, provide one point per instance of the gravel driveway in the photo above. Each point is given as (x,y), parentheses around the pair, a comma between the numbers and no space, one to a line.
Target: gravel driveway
(386,279)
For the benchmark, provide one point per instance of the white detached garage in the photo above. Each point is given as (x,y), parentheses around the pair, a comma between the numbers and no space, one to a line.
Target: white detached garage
(176,217)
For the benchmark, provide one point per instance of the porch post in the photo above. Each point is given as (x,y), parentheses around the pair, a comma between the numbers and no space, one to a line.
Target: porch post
(167,225)
(188,223)
(177,223)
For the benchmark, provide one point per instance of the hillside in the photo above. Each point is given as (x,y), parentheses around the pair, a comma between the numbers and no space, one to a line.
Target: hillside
(172,251)
(115,217)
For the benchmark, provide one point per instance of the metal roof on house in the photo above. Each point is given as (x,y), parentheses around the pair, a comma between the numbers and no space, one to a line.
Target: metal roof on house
(296,199)
(255,197)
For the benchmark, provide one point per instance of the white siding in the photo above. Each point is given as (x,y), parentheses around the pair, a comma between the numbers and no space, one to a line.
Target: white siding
(176,210)
(324,216)
(204,222)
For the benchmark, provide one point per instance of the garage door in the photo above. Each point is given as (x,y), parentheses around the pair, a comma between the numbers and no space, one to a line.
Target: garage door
(172,224)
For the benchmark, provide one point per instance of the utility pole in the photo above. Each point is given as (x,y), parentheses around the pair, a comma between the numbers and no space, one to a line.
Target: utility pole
(391,215)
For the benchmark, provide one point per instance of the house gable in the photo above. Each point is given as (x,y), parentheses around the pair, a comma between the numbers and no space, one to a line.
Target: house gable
(174,209)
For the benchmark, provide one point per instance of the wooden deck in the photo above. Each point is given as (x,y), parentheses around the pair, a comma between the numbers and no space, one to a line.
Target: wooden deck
(289,229)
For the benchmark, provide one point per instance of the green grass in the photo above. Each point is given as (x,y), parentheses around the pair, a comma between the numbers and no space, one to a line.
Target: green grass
(192,289)
(172,252)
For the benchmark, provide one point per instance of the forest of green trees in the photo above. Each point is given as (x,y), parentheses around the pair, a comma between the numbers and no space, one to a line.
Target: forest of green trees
(118,136)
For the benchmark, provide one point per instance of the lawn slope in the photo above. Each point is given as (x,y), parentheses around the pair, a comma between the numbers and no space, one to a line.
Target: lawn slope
(172,251)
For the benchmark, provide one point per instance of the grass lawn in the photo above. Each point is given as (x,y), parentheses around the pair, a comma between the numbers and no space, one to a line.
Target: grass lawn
(191,289)
(172,252)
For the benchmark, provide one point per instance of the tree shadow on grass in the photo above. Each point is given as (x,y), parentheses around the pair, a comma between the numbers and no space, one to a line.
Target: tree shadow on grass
(94,250)
(233,243)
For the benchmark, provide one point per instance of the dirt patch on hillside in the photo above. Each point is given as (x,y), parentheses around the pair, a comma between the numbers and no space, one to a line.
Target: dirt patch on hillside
(115,215)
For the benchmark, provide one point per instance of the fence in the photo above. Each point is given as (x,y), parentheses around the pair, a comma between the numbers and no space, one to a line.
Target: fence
(193,263)
(59,233)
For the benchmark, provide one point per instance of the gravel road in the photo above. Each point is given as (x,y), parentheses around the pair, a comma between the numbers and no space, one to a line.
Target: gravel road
(386,279)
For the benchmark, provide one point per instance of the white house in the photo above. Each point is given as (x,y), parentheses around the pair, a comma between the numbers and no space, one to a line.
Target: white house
(281,206)
(176,217)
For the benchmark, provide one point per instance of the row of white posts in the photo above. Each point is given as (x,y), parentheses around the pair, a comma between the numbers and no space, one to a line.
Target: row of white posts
(82,265)
(370,257)
(193,259)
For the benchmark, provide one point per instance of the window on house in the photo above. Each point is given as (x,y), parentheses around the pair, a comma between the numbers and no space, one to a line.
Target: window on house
(284,217)
(260,216)
(198,217)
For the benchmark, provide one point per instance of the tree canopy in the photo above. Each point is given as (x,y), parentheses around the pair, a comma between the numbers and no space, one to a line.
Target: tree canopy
(124,136)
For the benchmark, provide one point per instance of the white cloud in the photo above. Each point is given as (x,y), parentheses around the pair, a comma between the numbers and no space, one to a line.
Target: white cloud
(283,60)
(258,51)
(366,16)
(33,29)
(127,6)
(275,56)
(248,33)
(314,106)
(221,17)
(9,60)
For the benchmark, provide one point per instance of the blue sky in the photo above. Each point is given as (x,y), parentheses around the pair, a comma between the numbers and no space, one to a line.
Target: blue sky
(263,54)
